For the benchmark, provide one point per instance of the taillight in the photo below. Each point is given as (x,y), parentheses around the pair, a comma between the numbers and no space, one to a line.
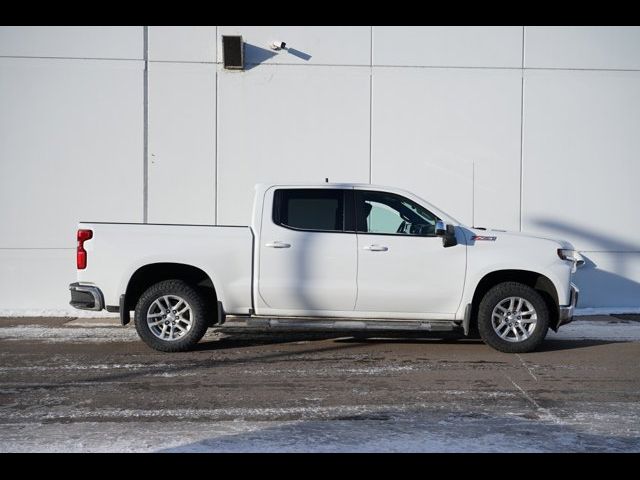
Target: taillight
(81,253)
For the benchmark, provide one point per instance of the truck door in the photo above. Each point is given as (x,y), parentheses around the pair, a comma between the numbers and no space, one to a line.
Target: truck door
(402,266)
(307,262)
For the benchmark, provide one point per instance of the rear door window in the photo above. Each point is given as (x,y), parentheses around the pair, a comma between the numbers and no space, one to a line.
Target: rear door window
(317,209)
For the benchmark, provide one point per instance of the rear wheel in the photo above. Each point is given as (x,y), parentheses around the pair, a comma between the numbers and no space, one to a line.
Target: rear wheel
(171,316)
(513,318)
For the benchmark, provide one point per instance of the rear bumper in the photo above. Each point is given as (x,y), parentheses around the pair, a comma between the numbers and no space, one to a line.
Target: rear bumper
(566,312)
(86,297)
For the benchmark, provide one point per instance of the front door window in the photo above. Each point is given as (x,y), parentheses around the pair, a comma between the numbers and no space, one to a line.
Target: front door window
(391,214)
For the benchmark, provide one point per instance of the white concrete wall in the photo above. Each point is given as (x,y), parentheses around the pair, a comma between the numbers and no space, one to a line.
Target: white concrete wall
(448,46)
(525,128)
(71,145)
(96,42)
(275,124)
(435,131)
(182,156)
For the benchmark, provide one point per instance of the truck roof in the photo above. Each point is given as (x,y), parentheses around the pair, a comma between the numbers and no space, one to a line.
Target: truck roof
(266,186)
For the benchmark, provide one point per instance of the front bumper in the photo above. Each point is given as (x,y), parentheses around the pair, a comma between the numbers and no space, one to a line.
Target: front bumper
(86,297)
(566,312)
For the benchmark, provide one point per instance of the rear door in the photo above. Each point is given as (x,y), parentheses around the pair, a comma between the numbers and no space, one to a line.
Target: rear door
(308,263)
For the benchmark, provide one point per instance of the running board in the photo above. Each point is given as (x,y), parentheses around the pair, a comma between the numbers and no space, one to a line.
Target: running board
(361,325)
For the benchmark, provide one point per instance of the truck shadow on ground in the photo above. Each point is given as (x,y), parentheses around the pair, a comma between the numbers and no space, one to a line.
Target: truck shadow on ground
(193,361)
(549,345)
(242,339)
(311,345)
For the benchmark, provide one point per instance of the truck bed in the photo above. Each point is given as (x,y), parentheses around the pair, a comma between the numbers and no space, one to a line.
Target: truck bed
(224,253)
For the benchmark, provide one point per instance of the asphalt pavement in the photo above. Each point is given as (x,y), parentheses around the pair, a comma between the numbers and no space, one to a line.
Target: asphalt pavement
(89,385)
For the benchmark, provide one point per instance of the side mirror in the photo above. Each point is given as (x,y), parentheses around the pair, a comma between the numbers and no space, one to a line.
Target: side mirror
(447,232)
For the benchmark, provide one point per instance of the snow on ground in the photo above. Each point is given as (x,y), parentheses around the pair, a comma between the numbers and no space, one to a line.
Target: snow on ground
(69,312)
(613,329)
(69,334)
(441,429)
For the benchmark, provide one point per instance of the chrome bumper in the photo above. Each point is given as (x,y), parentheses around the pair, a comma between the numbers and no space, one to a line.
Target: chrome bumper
(566,312)
(86,297)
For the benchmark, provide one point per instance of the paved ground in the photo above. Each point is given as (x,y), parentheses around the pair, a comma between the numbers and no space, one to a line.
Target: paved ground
(87,385)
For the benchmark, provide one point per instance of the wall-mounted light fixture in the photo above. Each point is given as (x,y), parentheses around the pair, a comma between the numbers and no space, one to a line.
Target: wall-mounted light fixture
(233,52)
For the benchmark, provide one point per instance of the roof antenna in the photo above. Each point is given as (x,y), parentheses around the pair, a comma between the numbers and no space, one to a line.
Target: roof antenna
(326,180)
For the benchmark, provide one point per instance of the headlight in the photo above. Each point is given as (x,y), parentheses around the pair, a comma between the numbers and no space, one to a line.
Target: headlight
(571,256)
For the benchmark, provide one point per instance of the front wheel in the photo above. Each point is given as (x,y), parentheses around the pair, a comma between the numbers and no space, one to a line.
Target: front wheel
(513,318)
(171,316)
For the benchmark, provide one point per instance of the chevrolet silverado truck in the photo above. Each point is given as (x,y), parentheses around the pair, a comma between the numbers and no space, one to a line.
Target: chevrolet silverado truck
(348,257)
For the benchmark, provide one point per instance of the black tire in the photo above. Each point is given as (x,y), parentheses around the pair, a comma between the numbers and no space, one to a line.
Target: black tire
(198,316)
(499,293)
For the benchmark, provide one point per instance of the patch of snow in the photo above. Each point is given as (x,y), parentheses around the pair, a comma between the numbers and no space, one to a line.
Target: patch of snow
(265,413)
(330,371)
(55,312)
(606,310)
(178,374)
(475,393)
(89,322)
(617,330)
(68,334)
(111,366)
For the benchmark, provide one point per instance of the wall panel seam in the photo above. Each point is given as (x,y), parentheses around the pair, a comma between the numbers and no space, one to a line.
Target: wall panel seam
(215,139)
(522,62)
(462,67)
(145,134)
(36,57)
(183,61)
(370,102)
(522,131)
(37,248)
(575,69)
(608,251)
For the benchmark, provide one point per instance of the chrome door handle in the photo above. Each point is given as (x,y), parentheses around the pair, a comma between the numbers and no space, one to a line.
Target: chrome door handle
(277,244)
(376,248)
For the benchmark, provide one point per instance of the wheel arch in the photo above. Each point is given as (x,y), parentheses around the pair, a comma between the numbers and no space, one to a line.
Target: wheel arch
(536,280)
(147,275)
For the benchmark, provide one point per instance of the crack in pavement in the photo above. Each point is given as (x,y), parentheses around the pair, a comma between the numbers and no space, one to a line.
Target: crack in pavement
(543,413)
(526,367)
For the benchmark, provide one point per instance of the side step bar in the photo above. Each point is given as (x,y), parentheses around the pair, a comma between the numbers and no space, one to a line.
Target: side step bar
(318,324)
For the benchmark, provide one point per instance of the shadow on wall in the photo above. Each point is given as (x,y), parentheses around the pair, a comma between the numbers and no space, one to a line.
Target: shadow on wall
(601,287)
(299,54)
(254,55)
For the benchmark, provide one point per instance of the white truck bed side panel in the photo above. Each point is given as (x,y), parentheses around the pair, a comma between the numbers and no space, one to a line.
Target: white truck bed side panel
(117,251)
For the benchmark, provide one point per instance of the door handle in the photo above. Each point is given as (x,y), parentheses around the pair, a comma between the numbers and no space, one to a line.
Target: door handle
(277,244)
(376,248)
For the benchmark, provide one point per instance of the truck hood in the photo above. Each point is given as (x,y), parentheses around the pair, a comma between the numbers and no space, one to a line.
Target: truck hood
(493,232)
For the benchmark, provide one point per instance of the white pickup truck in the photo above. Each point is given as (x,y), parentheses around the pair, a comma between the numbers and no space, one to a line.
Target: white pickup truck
(329,256)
